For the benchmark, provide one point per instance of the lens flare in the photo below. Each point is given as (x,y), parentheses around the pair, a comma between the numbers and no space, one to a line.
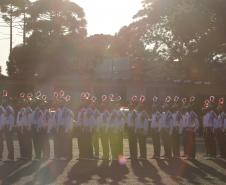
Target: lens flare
(122,160)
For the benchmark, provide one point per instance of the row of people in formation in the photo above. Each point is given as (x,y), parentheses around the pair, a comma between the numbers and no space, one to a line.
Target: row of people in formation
(107,123)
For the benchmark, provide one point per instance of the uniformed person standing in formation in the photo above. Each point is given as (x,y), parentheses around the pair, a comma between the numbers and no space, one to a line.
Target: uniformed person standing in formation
(177,128)
(45,145)
(96,126)
(131,129)
(155,127)
(116,126)
(191,126)
(81,126)
(6,125)
(141,128)
(218,128)
(104,119)
(209,119)
(166,123)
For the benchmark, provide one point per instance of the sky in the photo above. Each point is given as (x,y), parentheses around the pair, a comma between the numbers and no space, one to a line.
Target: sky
(103,16)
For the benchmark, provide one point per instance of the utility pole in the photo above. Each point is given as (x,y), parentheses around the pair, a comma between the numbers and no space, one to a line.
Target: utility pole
(11,28)
(24,26)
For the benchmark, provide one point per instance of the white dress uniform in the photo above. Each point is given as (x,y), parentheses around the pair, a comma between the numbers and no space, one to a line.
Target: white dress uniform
(141,129)
(166,123)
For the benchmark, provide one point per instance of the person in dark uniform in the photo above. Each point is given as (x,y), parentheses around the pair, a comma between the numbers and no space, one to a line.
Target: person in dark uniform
(208,123)
(177,127)
(96,124)
(8,117)
(45,144)
(89,122)
(36,129)
(81,125)
(191,127)
(155,128)
(218,128)
(67,125)
(166,128)
(104,119)
(141,126)
(132,137)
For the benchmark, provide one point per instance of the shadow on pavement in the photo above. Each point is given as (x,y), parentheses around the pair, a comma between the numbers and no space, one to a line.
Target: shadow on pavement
(143,170)
(49,173)
(22,171)
(84,171)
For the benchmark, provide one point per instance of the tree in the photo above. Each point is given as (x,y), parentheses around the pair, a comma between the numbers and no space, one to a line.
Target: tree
(12,10)
(187,31)
(56,29)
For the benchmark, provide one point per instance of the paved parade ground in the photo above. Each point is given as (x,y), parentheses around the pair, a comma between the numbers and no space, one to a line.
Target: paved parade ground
(199,171)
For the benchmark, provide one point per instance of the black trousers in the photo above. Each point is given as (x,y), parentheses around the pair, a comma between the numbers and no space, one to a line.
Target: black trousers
(1,143)
(80,134)
(56,141)
(104,136)
(175,142)
(165,135)
(87,143)
(156,141)
(190,142)
(45,145)
(184,141)
(141,137)
(67,145)
(220,141)
(114,144)
(37,140)
(95,142)
(132,138)
(210,141)
(9,142)
(27,143)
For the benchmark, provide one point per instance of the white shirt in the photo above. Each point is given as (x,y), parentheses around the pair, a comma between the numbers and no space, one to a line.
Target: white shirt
(131,116)
(21,117)
(166,120)
(209,118)
(2,117)
(141,121)
(89,120)
(219,121)
(9,117)
(96,115)
(80,119)
(59,117)
(104,119)
(50,118)
(193,121)
(117,120)
(68,119)
(38,118)
(155,120)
